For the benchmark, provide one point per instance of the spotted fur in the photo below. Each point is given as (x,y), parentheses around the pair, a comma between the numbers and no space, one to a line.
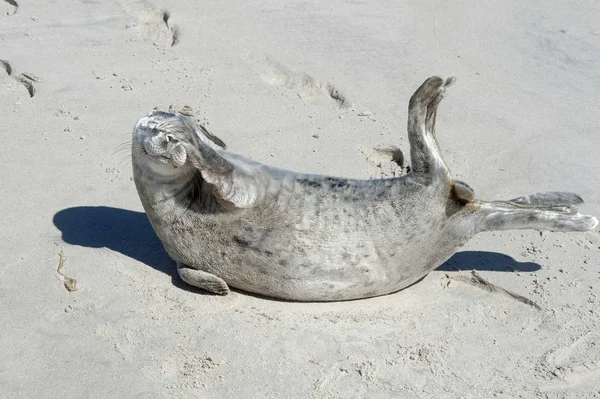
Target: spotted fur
(231,221)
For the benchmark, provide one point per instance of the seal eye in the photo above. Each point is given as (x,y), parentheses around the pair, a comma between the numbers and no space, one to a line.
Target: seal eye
(170,138)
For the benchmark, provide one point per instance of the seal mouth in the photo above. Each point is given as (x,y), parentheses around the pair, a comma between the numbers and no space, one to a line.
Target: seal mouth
(160,158)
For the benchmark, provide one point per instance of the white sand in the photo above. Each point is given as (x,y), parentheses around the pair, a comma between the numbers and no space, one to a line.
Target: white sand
(522,118)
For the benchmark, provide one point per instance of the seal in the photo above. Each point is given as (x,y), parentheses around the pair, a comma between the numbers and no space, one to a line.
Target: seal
(230,221)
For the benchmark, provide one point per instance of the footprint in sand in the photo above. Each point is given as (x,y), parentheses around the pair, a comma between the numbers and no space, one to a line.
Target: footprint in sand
(306,87)
(576,365)
(385,162)
(153,25)
(26,79)
(14,7)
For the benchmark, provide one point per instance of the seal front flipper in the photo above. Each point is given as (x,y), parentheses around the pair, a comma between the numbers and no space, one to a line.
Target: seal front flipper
(230,182)
(212,137)
(204,280)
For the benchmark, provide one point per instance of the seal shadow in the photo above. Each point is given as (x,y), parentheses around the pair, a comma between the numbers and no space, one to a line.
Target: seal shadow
(130,233)
(126,232)
(488,261)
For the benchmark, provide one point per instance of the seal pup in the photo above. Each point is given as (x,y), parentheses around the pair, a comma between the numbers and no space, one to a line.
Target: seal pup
(231,221)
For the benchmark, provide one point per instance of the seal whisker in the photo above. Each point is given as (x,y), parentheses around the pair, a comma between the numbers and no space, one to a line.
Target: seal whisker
(122,150)
(126,158)
(124,145)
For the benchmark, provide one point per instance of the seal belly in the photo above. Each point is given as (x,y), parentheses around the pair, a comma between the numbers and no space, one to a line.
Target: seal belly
(330,247)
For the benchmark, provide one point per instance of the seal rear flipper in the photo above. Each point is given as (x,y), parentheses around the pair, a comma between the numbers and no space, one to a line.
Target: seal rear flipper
(204,280)
(425,154)
(231,183)
(508,215)
(552,198)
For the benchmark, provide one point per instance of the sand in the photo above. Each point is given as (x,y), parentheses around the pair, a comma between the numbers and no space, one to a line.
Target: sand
(313,86)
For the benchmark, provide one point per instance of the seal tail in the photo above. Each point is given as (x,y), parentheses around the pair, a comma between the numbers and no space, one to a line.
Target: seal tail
(554,211)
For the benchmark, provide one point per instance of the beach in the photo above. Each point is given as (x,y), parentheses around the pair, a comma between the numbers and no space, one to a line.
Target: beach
(314,87)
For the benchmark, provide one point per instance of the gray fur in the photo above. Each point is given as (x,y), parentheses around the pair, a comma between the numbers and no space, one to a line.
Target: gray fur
(230,221)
